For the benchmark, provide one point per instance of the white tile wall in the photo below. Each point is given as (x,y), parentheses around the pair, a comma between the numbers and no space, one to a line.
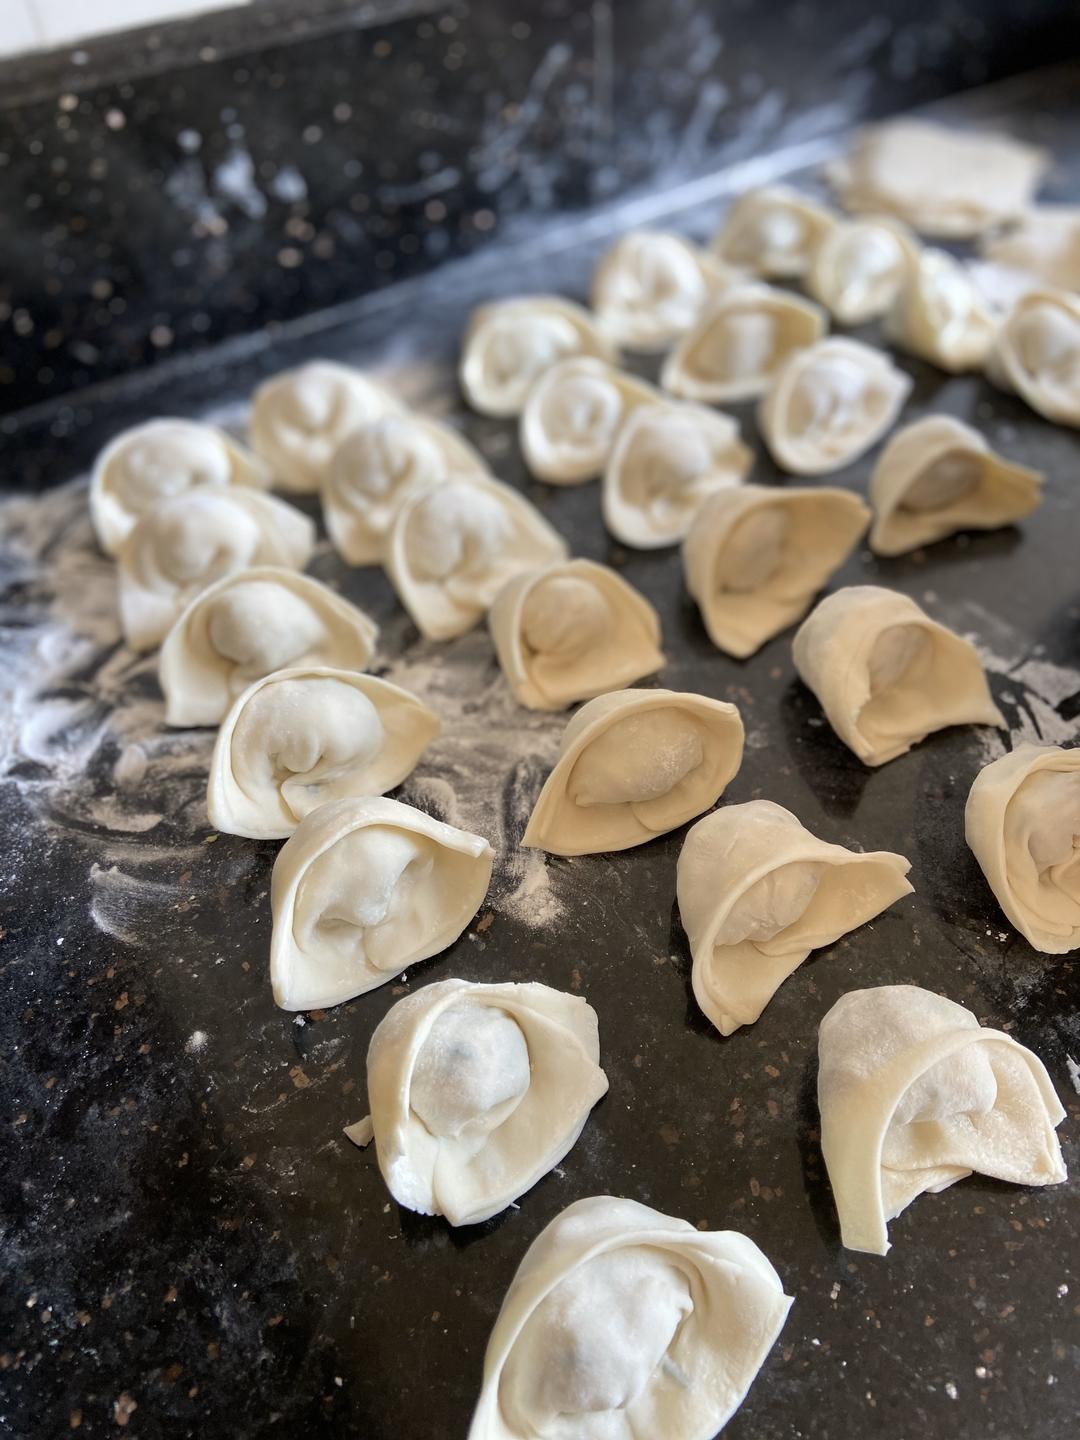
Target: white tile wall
(36,24)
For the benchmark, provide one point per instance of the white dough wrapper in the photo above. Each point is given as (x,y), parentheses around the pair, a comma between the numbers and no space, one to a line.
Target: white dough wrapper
(946,183)
(632,765)
(757,892)
(248,625)
(915,1095)
(363,889)
(887,675)
(189,542)
(858,268)
(299,738)
(157,461)
(510,343)
(740,343)
(830,403)
(570,631)
(1045,244)
(773,232)
(667,458)
(375,467)
(300,417)
(1037,354)
(651,286)
(477,1091)
(624,1323)
(941,314)
(1022,823)
(938,476)
(571,416)
(452,547)
(757,555)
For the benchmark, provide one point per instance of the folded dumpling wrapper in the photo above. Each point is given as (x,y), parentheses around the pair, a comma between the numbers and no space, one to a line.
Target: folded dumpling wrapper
(773,231)
(157,461)
(887,675)
(740,343)
(858,267)
(666,459)
(757,555)
(189,542)
(300,417)
(570,631)
(830,403)
(915,1095)
(1037,354)
(947,183)
(1023,825)
(624,1323)
(632,765)
(248,625)
(1045,244)
(373,469)
(571,416)
(651,285)
(941,314)
(477,1091)
(938,476)
(757,892)
(452,547)
(508,345)
(299,738)
(364,888)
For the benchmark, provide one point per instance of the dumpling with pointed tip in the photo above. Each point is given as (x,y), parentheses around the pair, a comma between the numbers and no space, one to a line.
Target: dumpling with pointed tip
(757,892)
(570,419)
(829,404)
(757,555)
(300,417)
(938,476)
(364,888)
(859,266)
(740,343)
(624,1322)
(375,467)
(187,543)
(632,765)
(299,738)
(666,459)
(157,461)
(886,674)
(247,625)
(940,314)
(453,547)
(1037,354)
(1023,826)
(477,1091)
(570,631)
(510,343)
(651,285)
(773,231)
(915,1095)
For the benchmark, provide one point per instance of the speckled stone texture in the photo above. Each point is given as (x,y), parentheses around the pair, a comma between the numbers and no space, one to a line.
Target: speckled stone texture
(192,1248)
(160,194)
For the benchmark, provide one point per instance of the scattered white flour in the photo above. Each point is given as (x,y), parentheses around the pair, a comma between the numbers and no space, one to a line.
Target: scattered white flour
(196,1042)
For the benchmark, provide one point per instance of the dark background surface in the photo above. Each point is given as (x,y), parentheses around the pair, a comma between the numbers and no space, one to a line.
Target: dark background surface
(185,1229)
(201,181)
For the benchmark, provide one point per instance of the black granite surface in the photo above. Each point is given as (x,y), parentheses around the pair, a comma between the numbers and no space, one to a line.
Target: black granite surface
(207,179)
(191,1247)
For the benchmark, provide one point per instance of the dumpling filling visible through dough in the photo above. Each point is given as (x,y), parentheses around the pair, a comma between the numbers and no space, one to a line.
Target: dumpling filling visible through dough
(382,458)
(1047,341)
(771,904)
(944,482)
(565,616)
(454,535)
(356,898)
(173,458)
(828,398)
(640,761)
(594,1343)
(754,550)
(261,627)
(471,1073)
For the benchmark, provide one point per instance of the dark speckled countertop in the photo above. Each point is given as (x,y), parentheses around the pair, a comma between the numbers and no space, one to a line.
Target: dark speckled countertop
(191,1246)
